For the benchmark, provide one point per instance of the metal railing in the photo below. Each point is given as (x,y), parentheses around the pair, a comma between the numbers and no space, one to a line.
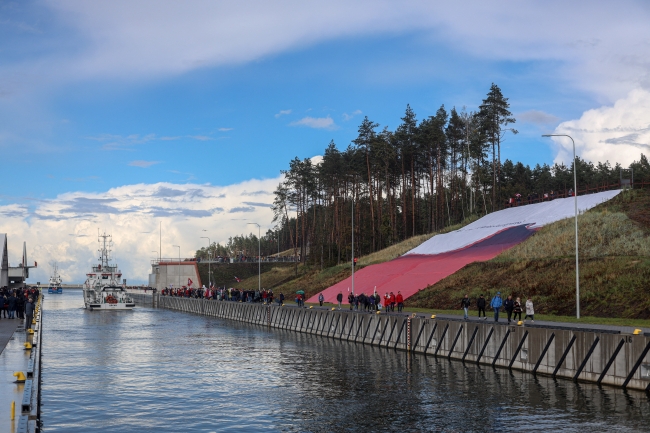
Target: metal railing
(552,195)
(228,260)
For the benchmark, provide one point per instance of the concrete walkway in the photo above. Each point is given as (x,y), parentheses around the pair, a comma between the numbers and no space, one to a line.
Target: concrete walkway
(7,328)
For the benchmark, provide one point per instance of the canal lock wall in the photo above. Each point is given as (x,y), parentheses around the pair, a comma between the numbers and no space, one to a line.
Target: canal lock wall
(590,355)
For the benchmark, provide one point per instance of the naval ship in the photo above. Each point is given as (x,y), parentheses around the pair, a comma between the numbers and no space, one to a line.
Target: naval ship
(54,286)
(103,289)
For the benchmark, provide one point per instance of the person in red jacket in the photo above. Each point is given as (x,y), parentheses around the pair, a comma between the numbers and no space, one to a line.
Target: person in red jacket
(386,302)
(392,301)
(400,301)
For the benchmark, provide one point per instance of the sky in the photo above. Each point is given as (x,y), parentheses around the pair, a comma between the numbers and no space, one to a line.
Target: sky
(129,116)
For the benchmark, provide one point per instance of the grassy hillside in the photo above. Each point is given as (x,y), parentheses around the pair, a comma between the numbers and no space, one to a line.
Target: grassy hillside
(312,280)
(614,266)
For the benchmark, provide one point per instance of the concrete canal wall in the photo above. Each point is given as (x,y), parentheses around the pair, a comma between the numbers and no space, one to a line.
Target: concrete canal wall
(20,372)
(592,355)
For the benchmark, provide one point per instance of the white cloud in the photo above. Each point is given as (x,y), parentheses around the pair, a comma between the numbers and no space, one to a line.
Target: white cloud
(537,117)
(143,164)
(282,113)
(347,116)
(119,142)
(225,129)
(316,160)
(201,137)
(64,229)
(315,122)
(603,48)
(618,133)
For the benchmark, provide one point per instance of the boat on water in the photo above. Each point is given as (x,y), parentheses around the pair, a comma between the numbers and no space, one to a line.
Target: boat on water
(103,289)
(54,285)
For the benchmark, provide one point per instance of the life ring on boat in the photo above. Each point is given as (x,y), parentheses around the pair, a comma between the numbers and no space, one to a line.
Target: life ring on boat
(110,299)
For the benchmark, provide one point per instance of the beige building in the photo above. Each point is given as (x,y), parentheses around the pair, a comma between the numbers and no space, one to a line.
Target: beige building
(174,274)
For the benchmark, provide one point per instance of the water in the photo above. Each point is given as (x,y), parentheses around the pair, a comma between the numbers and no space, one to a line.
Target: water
(164,371)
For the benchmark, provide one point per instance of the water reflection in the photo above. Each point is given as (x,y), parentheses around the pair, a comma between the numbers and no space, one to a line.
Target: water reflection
(159,370)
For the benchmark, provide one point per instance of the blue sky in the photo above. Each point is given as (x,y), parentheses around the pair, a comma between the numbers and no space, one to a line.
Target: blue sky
(99,97)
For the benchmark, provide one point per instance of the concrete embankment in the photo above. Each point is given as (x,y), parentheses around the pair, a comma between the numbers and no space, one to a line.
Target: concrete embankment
(20,394)
(602,356)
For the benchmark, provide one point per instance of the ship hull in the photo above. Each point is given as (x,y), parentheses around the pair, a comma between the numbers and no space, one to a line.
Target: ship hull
(109,307)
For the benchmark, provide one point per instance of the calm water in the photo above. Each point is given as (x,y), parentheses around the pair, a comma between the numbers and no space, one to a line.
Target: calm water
(163,371)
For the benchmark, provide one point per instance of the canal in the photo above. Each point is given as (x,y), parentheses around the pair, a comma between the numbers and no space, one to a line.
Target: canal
(165,371)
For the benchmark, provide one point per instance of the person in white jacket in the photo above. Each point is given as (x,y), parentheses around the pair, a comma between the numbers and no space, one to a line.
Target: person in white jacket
(530,311)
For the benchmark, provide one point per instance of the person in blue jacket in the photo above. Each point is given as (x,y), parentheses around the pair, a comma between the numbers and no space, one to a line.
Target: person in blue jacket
(496,304)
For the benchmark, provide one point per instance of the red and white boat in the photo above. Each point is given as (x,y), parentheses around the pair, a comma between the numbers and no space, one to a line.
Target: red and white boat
(104,287)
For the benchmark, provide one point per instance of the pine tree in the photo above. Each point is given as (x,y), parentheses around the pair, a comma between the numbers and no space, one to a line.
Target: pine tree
(495,116)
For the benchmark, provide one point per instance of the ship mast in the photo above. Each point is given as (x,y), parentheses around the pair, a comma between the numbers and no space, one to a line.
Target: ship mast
(105,249)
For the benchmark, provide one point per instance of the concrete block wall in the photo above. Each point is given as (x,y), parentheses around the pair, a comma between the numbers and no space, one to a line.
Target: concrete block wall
(597,356)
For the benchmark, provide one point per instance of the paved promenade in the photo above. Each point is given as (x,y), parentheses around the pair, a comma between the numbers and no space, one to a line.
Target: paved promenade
(7,328)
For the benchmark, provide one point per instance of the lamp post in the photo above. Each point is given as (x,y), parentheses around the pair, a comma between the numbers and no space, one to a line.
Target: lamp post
(259,258)
(179,264)
(352,242)
(209,259)
(575,200)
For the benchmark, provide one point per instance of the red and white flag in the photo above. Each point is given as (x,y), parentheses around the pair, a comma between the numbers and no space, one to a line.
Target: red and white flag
(237,279)
(189,282)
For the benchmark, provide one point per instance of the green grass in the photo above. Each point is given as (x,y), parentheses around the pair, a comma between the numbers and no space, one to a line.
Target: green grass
(635,323)
(614,266)
(547,317)
(312,280)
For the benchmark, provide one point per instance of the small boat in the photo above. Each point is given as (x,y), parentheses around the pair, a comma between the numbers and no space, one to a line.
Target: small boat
(54,286)
(102,289)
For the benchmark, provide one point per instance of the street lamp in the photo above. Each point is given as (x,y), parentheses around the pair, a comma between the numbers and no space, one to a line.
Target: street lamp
(575,200)
(352,243)
(209,259)
(179,264)
(259,258)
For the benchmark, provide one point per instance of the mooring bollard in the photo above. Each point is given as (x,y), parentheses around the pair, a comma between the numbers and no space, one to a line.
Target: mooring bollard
(13,410)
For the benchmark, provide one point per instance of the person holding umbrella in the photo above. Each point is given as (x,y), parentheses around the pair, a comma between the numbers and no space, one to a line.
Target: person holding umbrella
(301,298)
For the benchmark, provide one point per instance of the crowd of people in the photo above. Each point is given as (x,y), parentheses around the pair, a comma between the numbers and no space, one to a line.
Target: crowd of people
(264,296)
(512,307)
(18,304)
(373,302)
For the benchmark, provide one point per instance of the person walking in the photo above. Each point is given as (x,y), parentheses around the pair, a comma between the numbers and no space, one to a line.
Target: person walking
(480,304)
(12,305)
(530,311)
(464,304)
(339,299)
(321,298)
(517,309)
(3,304)
(29,313)
(20,304)
(496,304)
(400,301)
(509,305)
